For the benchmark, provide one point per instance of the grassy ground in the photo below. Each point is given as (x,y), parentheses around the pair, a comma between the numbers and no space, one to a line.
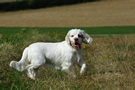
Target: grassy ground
(111,61)
(89,30)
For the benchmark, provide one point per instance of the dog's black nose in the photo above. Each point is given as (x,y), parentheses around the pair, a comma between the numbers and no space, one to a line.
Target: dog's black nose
(76,39)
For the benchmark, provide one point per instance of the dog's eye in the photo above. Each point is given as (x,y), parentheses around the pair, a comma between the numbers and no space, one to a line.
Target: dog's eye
(79,35)
(72,35)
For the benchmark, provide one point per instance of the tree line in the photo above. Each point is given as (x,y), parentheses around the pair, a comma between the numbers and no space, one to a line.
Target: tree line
(34,4)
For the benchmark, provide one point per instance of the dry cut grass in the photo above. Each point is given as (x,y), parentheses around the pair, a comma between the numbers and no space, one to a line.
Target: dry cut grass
(91,14)
(111,62)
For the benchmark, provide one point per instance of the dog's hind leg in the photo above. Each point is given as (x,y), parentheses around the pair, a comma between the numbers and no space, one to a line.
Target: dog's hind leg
(31,71)
(33,68)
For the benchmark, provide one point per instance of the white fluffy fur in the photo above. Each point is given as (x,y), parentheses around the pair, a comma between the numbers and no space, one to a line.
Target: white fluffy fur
(62,55)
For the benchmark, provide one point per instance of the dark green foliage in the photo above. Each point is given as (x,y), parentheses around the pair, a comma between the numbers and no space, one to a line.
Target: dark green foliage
(33,4)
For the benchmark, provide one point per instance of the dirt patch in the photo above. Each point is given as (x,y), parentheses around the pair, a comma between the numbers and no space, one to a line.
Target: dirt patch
(101,13)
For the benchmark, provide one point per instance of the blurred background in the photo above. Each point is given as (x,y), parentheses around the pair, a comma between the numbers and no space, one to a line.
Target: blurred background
(67,13)
(6,5)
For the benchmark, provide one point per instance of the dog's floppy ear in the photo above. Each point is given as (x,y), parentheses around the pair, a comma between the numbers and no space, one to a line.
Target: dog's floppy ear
(67,37)
(86,38)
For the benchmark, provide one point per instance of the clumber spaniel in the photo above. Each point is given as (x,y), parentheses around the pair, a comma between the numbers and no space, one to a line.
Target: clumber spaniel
(62,55)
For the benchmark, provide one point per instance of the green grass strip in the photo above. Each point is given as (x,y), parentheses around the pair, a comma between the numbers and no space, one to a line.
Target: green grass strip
(89,30)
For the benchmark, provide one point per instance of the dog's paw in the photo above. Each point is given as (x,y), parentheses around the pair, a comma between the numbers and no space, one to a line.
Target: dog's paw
(32,78)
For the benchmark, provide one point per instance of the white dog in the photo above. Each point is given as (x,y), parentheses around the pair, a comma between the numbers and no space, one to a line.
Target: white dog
(62,55)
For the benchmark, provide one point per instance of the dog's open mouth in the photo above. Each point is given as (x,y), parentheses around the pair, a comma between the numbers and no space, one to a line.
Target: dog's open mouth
(76,44)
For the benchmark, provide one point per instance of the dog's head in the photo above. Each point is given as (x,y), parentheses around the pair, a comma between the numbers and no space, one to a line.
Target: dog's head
(75,37)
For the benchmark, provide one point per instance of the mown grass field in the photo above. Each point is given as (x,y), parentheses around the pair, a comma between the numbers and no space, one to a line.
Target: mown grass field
(111,60)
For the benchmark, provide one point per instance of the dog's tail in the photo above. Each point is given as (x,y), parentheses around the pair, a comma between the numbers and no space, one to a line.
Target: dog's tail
(22,64)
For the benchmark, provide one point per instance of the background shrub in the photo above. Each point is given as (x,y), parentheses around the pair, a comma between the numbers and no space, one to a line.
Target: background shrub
(34,4)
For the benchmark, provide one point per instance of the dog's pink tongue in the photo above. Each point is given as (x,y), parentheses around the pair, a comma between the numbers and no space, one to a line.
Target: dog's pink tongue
(78,46)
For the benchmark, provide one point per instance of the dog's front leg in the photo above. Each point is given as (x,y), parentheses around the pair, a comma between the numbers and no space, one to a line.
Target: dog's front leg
(68,69)
(83,66)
